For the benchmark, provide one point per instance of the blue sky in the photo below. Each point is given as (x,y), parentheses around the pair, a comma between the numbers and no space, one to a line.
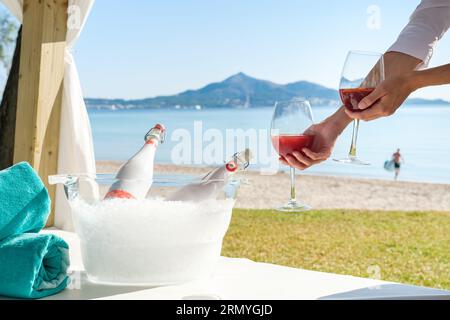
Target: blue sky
(136,49)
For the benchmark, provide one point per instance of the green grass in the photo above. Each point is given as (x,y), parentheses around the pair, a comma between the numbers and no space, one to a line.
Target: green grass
(408,247)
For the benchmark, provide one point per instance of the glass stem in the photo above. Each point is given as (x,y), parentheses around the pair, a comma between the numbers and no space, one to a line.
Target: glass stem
(293,193)
(352,152)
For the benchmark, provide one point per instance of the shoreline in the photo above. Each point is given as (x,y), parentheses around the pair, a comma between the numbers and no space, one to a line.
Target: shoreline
(205,168)
(324,192)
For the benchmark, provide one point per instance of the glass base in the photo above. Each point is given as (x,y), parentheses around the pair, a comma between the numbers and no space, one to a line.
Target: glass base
(293,206)
(352,160)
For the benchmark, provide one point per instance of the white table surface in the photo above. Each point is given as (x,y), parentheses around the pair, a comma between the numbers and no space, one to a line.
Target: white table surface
(241,279)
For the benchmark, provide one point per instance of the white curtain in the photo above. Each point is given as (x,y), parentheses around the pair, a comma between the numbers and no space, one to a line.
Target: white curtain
(76,150)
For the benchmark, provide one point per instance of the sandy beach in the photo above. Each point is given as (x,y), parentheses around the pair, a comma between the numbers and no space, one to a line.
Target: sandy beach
(325,192)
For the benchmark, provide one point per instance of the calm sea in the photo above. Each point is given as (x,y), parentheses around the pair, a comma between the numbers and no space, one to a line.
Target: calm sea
(422,133)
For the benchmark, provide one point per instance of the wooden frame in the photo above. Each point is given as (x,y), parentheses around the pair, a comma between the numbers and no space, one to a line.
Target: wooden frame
(41,77)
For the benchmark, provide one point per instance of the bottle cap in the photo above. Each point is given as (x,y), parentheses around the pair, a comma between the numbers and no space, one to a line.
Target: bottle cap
(158,132)
(160,127)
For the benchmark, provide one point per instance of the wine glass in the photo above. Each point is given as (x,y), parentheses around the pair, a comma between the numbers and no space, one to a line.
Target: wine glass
(361,73)
(289,121)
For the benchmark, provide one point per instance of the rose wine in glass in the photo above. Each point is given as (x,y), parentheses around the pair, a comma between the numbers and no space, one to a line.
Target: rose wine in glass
(361,73)
(351,97)
(289,122)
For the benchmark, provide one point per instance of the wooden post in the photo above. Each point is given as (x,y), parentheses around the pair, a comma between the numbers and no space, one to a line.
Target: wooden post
(40,87)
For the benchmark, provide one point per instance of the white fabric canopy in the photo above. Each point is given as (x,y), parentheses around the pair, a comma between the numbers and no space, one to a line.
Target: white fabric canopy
(76,150)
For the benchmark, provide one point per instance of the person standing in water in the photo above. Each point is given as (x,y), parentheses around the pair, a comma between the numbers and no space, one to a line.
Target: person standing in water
(397,159)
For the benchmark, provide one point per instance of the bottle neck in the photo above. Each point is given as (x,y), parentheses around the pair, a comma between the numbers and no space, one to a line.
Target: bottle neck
(152,142)
(239,162)
(155,136)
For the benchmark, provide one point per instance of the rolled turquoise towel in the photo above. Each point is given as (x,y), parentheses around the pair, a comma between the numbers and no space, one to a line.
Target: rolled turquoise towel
(24,201)
(33,265)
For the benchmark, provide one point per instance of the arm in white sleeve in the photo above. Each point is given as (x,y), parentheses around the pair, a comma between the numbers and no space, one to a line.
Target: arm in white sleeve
(427,25)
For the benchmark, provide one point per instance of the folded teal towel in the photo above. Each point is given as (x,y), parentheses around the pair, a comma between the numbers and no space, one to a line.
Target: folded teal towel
(33,265)
(24,201)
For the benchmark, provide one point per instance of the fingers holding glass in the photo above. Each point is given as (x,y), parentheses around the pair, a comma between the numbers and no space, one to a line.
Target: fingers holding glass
(361,74)
(290,122)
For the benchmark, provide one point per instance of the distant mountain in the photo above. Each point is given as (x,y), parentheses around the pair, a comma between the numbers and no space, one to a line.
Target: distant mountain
(420,101)
(237,91)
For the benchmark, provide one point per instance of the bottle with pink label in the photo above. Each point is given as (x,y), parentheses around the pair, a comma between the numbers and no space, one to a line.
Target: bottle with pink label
(214,181)
(134,178)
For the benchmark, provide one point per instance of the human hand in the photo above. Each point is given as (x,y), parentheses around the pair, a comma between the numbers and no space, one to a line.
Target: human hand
(325,135)
(387,97)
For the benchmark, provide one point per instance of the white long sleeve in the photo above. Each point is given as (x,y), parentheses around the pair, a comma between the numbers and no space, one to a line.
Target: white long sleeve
(426,26)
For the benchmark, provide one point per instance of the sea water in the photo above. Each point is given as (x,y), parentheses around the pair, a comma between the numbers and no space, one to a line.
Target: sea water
(151,241)
(421,132)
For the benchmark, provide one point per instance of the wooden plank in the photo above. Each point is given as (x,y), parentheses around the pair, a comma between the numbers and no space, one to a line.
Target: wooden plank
(40,86)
